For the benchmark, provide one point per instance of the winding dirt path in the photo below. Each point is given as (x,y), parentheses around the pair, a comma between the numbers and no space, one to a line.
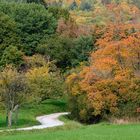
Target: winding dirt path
(46,121)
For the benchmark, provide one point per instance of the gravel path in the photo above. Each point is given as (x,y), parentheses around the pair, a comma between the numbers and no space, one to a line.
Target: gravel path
(46,121)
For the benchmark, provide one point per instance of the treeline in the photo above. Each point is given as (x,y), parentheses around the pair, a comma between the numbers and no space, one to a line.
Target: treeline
(84,5)
(37,45)
(31,29)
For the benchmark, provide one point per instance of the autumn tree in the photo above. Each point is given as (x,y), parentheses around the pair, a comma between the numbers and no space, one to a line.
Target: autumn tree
(67,28)
(111,83)
(44,84)
(12,92)
(35,61)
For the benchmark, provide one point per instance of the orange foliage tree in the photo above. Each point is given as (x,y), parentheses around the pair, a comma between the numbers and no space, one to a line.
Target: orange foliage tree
(110,85)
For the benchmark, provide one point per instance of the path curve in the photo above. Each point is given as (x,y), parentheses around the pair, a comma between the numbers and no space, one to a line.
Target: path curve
(46,121)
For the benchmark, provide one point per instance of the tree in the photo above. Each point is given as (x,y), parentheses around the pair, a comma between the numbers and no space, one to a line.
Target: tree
(8,35)
(86,5)
(59,13)
(110,85)
(12,0)
(35,61)
(13,56)
(73,6)
(67,52)
(115,65)
(118,39)
(44,84)
(83,45)
(35,1)
(33,23)
(67,28)
(136,2)
(12,91)
(58,49)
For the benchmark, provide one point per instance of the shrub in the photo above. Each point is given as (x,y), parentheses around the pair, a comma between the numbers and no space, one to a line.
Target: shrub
(44,84)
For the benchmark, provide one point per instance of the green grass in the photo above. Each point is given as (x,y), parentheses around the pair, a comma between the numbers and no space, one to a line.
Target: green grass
(28,113)
(72,130)
(92,132)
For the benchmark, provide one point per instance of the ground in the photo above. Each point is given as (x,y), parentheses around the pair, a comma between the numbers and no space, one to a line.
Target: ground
(72,130)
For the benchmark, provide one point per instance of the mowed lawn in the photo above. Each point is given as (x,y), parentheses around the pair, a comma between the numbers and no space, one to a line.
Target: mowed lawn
(92,132)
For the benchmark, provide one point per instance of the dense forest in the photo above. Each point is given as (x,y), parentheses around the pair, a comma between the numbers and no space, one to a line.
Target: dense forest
(86,51)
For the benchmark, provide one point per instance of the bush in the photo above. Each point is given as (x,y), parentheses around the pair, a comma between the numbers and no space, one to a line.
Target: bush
(44,84)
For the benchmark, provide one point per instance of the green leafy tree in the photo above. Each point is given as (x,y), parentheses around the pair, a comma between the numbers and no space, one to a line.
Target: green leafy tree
(67,52)
(82,48)
(13,56)
(59,12)
(33,21)
(59,51)
(8,35)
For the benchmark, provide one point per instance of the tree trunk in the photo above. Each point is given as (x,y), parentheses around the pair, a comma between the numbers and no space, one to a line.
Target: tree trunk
(16,114)
(7,118)
(10,118)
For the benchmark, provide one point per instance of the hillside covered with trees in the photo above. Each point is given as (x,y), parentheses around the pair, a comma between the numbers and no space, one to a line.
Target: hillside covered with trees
(85,52)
